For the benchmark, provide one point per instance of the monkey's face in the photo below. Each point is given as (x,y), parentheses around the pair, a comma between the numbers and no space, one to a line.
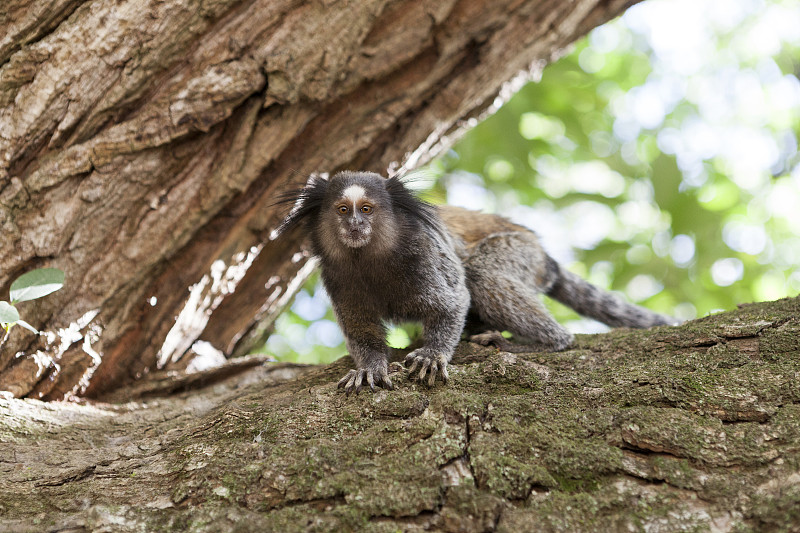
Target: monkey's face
(354,216)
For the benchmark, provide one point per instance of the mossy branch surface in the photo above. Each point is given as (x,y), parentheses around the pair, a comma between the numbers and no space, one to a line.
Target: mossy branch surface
(694,427)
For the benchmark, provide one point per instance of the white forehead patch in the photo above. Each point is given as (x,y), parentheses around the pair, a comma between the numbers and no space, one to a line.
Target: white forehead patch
(354,193)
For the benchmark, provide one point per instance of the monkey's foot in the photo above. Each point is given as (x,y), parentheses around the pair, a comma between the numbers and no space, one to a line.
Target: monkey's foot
(354,380)
(496,339)
(430,362)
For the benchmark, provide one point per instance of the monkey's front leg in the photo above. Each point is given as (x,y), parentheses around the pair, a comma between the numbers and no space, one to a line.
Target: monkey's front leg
(441,338)
(365,342)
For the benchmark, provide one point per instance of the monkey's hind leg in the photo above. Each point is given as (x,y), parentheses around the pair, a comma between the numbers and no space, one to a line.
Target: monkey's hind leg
(492,337)
(506,273)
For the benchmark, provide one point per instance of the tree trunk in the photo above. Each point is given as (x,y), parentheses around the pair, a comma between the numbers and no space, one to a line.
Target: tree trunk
(142,143)
(689,428)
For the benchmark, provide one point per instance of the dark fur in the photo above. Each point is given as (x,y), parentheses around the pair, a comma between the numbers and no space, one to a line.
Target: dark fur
(407,260)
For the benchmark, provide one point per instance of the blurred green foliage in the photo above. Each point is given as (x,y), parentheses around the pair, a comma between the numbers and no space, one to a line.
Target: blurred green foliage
(658,158)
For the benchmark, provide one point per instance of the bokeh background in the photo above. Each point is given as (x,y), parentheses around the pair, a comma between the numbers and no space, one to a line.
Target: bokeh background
(658,158)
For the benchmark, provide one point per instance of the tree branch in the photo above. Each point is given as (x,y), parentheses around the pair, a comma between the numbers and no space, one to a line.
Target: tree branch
(691,426)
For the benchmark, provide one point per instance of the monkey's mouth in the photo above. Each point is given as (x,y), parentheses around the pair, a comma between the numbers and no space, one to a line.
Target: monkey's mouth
(355,238)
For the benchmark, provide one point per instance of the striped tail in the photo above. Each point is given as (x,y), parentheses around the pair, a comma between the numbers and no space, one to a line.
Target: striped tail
(610,309)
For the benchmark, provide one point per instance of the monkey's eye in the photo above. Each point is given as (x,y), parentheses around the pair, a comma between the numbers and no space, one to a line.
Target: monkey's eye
(366,209)
(343,209)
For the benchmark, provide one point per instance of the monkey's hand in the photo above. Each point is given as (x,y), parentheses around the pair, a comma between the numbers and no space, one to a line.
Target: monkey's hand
(429,361)
(378,373)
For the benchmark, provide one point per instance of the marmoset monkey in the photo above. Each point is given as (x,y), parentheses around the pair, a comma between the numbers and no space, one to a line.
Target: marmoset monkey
(385,255)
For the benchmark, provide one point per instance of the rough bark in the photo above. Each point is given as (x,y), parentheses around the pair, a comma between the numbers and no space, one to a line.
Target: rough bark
(142,143)
(688,428)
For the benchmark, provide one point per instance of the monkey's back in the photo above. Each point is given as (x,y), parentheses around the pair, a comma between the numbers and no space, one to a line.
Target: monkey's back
(472,227)
(495,248)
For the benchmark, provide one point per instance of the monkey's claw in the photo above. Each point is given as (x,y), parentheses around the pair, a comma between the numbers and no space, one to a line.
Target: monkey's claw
(429,364)
(493,338)
(354,380)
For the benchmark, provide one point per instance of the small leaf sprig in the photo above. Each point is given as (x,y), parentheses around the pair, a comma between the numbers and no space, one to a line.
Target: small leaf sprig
(29,286)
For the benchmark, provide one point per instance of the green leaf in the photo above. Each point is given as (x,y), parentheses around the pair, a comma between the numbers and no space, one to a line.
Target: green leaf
(27,326)
(36,283)
(8,313)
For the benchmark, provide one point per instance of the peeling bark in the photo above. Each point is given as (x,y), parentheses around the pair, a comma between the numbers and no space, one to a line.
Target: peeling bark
(693,427)
(142,144)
